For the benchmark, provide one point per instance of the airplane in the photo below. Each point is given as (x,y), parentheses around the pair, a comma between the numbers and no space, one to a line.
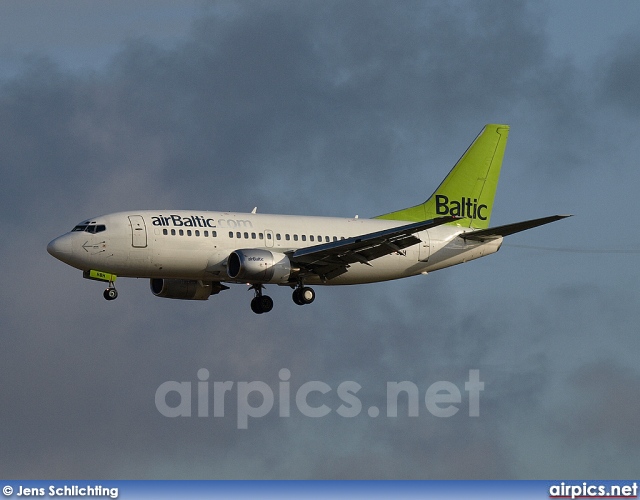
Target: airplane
(192,255)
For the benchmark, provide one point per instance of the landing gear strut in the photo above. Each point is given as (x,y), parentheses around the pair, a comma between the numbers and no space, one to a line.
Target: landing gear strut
(261,303)
(303,295)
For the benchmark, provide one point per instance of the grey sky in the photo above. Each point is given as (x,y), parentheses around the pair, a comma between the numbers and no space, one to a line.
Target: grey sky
(328,108)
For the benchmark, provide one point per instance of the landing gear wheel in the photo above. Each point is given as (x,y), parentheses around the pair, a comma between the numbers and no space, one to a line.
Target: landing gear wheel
(307,294)
(261,304)
(255,306)
(296,297)
(303,295)
(110,294)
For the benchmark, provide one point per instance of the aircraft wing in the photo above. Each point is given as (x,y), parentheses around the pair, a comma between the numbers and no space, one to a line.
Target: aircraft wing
(329,260)
(498,231)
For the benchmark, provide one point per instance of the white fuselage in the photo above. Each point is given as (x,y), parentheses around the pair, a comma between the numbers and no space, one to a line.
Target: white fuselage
(196,245)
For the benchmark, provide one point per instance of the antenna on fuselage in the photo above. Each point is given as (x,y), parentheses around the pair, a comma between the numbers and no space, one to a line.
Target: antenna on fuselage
(255,209)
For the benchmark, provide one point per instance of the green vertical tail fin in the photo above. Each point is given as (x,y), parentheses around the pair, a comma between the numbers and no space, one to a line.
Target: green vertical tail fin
(469,189)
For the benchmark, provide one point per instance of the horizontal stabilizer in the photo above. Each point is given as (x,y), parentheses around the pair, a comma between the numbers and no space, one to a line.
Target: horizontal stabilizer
(506,230)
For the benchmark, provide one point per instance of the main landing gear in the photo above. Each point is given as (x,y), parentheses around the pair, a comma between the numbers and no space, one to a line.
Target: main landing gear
(261,303)
(302,295)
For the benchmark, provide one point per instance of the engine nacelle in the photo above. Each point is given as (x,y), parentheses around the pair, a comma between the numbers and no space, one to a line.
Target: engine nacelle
(183,289)
(258,266)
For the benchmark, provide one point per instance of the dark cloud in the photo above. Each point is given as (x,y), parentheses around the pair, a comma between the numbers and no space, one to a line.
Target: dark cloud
(619,71)
(606,407)
(306,107)
(319,93)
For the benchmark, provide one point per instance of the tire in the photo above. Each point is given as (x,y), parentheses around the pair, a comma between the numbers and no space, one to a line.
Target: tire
(262,304)
(266,303)
(110,294)
(296,297)
(307,295)
(255,306)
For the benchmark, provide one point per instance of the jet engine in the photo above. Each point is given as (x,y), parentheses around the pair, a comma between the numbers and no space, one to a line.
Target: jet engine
(258,266)
(184,289)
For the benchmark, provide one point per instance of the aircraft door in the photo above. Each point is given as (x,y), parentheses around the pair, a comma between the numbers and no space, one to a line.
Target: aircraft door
(138,231)
(424,246)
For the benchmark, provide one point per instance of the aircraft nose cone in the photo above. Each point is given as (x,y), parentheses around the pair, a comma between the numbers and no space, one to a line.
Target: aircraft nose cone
(60,248)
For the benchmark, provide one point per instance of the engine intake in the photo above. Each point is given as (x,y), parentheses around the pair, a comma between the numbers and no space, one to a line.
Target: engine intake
(260,266)
(184,289)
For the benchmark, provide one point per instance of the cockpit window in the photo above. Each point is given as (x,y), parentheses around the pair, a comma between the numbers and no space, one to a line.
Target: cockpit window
(96,228)
(90,228)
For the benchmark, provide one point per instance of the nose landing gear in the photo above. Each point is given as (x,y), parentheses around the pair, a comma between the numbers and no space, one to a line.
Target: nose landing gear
(110,293)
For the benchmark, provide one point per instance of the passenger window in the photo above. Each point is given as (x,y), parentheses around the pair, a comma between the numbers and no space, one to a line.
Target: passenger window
(268,236)
(246,236)
(188,232)
(230,234)
(181,232)
(304,237)
(295,237)
(335,238)
(206,234)
(214,233)
(326,238)
(311,238)
(238,234)
(278,236)
(287,237)
(173,232)
(197,233)
(253,236)
(261,236)
(165,232)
